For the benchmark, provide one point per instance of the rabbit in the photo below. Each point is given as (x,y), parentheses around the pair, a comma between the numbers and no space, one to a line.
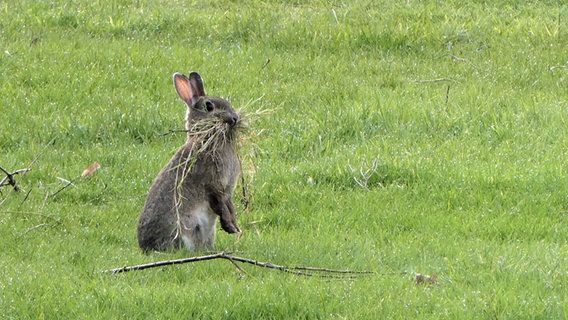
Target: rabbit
(197,184)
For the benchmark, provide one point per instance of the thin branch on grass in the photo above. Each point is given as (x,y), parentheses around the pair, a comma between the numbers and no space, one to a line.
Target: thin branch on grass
(41,225)
(241,270)
(299,271)
(163,263)
(464,60)
(9,178)
(33,214)
(331,270)
(27,195)
(434,80)
(265,64)
(24,171)
(67,184)
(36,227)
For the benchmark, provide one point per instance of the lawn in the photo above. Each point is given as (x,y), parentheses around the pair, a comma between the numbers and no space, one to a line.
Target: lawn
(400,137)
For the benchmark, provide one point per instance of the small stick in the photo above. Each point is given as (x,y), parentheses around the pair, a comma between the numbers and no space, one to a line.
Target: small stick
(24,171)
(34,214)
(241,270)
(234,259)
(434,80)
(265,64)
(294,270)
(36,227)
(464,60)
(331,270)
(67,184)
(27,195)
(164,263)
(10,178)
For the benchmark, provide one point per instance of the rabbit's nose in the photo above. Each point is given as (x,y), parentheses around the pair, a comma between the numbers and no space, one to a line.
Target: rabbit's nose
(231,119)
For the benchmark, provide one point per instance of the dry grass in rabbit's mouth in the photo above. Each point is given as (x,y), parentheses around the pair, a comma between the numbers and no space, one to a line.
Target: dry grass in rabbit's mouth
(210,134)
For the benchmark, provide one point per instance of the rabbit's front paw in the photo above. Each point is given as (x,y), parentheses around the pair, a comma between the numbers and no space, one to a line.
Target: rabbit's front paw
(230,227)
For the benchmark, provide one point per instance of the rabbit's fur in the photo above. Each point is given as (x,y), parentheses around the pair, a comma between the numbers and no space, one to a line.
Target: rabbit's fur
(197,184)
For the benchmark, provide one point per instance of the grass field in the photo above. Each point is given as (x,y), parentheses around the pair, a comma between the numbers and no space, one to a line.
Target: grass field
(399,137)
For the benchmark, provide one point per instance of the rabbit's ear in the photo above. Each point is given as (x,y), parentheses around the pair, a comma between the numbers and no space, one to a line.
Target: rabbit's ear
(184,88)
(197,84)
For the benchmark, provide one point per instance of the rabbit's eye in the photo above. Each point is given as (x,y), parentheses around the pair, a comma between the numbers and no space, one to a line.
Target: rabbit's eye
(209,106)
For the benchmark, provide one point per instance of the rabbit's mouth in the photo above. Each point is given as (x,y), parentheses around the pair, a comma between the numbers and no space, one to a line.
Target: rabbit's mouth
(232,119)
(228,128)
(221,128)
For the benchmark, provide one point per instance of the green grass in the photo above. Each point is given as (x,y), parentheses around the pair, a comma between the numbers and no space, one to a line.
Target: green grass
(362,163)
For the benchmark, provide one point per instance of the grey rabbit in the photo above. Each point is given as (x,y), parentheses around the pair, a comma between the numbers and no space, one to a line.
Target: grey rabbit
(197,184)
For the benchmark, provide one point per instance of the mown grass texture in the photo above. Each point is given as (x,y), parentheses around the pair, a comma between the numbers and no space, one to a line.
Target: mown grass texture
(401,137)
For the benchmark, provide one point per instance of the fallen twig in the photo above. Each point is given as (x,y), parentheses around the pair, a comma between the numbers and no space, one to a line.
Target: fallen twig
(9,178)
(434,80)
(67,184)
(24,171)
(300,271)
(36,227)
(33,214)
(265,64)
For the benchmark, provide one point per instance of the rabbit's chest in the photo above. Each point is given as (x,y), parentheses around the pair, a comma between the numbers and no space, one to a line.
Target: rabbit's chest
(216,171)
(228,172)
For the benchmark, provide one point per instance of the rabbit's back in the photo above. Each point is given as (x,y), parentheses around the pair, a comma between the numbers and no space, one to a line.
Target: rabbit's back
(156,227)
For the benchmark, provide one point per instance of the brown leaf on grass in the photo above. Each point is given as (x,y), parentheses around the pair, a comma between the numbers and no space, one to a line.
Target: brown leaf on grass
(91,170)
(425,279)
(433,279)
